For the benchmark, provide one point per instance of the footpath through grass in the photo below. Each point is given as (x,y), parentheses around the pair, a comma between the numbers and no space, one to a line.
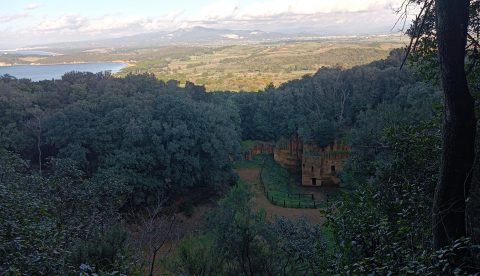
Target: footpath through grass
(278,185)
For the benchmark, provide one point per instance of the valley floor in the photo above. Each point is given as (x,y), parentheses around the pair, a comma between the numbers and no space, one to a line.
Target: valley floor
(259,201)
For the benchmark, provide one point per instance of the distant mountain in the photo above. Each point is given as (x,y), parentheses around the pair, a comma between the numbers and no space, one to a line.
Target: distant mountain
(206,35)
(187,36)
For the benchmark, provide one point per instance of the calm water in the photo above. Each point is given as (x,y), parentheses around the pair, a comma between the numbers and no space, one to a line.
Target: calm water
(27,53)
(48,72)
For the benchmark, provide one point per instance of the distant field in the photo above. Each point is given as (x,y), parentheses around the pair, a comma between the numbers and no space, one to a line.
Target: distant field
(236,67)
(252,67)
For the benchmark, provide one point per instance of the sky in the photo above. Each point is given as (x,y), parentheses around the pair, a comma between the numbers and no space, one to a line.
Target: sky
(26,22)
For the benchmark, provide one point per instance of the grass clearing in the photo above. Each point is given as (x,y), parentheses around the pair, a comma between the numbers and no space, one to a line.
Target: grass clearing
(281,189)
(244,164)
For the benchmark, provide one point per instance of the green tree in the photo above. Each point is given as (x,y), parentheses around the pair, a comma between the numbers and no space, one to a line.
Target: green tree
(443,28)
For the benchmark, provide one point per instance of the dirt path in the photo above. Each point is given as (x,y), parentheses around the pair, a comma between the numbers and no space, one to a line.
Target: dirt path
(261,202)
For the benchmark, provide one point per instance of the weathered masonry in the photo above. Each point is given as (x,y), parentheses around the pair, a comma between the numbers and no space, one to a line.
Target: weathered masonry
(288,153)
(319,166)
(257,148)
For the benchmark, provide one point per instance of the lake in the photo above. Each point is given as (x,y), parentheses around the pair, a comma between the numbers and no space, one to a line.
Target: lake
(56,71)
(27,53)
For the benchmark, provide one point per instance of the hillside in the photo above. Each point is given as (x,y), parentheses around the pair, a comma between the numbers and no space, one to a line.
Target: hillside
(228,137)
(143,152)
(253,67)
(221,59)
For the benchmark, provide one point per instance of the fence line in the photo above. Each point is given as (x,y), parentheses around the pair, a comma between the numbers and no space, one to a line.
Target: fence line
(290,203)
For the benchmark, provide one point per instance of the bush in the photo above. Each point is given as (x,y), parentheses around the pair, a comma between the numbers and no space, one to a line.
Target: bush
(50,225)
(102,251)
(187,208)
(238,241)
(195,256)
(383,227)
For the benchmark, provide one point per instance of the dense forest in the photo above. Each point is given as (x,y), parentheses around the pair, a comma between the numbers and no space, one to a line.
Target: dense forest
(84,159)
(80,153)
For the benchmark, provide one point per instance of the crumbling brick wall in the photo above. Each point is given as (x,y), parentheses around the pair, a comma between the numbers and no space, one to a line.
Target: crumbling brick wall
(321,165)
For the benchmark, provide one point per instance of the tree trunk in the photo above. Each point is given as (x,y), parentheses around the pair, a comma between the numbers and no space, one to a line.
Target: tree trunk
(459,124)
(39,144)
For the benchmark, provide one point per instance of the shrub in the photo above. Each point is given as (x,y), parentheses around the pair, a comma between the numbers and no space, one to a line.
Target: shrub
(102,251)
(187,208)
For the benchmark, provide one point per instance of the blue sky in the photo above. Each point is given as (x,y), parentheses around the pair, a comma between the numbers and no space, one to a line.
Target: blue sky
(24,22)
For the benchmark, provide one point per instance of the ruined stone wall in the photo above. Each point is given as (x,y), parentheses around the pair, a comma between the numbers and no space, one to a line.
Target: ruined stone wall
(320,166)
(257,149)
(286,159)
(288,153)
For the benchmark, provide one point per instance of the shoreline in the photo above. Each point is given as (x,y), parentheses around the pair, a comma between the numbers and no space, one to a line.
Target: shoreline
(128,64)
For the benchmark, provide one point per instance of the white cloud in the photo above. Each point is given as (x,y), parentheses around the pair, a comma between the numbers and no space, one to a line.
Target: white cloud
(231,9)
(337,6)
(12,17)
(70,22)
(32,6)
(222,9)
(279,13)
(111,24)
(328,17)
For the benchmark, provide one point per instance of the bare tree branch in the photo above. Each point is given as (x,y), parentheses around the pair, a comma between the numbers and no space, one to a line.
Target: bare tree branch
(474,41)
(415,39)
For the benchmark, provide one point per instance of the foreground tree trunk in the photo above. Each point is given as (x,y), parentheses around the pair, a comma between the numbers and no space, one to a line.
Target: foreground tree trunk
(459,124)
